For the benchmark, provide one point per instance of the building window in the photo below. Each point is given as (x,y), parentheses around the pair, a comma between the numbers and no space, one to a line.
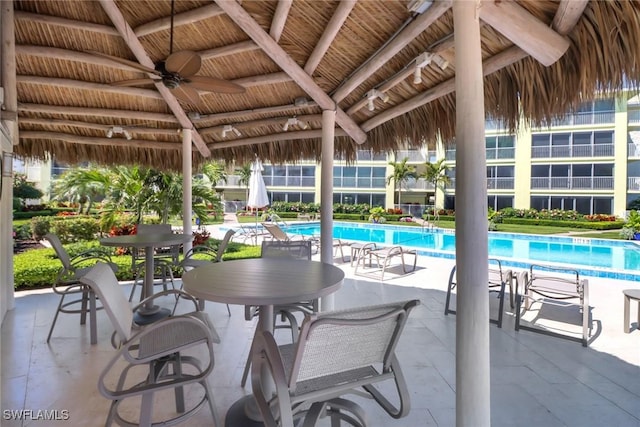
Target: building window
(586,205)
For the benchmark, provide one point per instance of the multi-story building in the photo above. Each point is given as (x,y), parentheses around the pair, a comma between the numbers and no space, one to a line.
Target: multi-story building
(588,160)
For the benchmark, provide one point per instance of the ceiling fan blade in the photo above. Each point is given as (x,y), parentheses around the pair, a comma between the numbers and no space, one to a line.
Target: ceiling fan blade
(185,63)
(132,64)
(212,84)
(186,94)
(133,82)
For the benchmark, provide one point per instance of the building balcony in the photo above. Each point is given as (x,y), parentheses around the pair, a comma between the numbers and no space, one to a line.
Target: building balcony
(588,118)
(633,117)
(500,183)
(507,153)
(561,151)
(415,156)
(419,184)
(352,182)
(633,183)
(575,183)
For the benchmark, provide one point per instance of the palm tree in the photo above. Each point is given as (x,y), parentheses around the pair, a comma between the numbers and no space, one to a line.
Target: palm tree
(215,172)
(401,174)
(436,174)
(82,186)
(245,177)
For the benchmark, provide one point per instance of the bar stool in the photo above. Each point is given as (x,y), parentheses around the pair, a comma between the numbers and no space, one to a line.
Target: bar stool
(630,294)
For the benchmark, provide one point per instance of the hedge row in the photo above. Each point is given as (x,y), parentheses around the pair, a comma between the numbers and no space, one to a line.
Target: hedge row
(604,225)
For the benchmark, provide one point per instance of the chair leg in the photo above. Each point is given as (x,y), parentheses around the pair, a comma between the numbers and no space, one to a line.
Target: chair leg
(228,310)
(146,409)
(501,304)
(55,317)
(93,318)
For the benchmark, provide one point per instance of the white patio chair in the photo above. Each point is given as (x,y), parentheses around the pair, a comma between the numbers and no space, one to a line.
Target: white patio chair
(200,255)
(153,356)
(499,279)
(295,249)
(75,296)
(383,258)
(339,352)
(555,286)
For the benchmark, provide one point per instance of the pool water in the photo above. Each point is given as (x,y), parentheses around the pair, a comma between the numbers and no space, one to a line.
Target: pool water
(595,257)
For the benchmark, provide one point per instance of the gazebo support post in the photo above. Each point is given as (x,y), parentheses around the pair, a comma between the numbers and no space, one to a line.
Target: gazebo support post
(472,322)
(326,196)
(186,186)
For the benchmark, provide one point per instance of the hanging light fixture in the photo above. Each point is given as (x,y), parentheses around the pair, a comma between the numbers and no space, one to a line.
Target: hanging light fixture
(118,130)
(372,95)
(293,121)
(230,128)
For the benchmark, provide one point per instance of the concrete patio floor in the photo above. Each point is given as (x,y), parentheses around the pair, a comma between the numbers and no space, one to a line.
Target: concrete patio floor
(536,380)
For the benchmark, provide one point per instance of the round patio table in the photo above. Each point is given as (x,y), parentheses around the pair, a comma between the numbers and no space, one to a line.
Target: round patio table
(264,282)
(149,312)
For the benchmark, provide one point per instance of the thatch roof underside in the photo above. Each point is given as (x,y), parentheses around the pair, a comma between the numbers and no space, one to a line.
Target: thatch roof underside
(66,102)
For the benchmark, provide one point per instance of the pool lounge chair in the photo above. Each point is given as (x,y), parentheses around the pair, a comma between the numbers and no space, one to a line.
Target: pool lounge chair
(383,258)
(499,279)
(554,286)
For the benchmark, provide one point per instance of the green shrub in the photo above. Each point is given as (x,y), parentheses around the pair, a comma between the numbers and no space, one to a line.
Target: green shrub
(31,214)
(73,230)
(348,217)
(40,225)
(604,225)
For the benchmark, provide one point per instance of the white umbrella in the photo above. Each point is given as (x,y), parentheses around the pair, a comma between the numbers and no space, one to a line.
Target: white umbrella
(258,197)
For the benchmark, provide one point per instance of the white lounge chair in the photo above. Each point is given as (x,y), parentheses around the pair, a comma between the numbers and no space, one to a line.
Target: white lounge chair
(383,259)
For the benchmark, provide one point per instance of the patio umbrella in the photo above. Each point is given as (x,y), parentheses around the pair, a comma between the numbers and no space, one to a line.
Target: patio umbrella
(258,197)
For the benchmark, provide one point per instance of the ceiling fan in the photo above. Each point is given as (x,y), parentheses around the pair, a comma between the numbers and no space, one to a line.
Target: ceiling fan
(177,73)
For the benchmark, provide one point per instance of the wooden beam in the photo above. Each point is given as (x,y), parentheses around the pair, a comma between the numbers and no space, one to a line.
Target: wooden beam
(444,44)
(66,23)
(288,65)
(86,140)
(8,67)
(235,115)
(99,112)
(82,85)
(252,124)
(395,45)
(264,79)
(217,52)
(9,116)
(276,137)
(567,15)
(136,47)
(71,55)
(333,27)
(524,30)
(96,126)
(279,19)
(491,65)
(184,18)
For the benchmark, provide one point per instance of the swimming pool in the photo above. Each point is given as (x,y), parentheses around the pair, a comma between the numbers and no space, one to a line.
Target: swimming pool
(592,257)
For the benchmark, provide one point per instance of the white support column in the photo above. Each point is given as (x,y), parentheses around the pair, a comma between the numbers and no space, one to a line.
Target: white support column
(10,131)
(187,204)
(472,320)
(326,195)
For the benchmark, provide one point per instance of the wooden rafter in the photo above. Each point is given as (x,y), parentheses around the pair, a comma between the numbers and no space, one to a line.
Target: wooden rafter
(288,65)
(82,85)
(568,14)
(75,139)
(96,126)
(184,18)
(264,139)
(239,115)
(337,20)
(67,23)
(445,44)
(406,36)
(136,47)
(279,19)
(524,30)
(98,112)
(217,52)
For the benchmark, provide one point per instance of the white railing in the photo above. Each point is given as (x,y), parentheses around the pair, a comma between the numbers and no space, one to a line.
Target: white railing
(414,156)
(353,182)
(588,118)
(633,117)
(419,184)
(500,183)
(500,153)
(575,183)
(556,151)
(633,150)
(412,209)
(633,183)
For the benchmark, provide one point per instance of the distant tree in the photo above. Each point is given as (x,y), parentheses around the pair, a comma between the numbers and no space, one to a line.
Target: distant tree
(82,186)
(436,174)
(402,172)
(245,177)
(215,172)
(23,189)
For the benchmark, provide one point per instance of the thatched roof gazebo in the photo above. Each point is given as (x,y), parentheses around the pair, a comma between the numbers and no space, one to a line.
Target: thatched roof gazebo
(293,58)
(114,81)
